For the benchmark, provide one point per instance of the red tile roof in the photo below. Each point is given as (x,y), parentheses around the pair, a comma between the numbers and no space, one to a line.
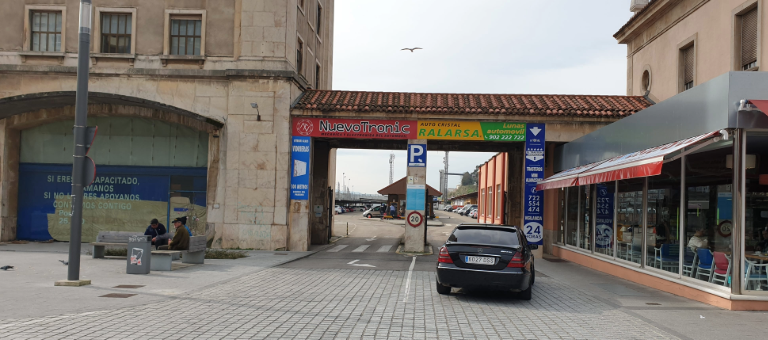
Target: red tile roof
(454,103)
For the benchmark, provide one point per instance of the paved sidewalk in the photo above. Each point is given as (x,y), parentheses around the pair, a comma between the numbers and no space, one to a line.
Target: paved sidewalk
(570,302)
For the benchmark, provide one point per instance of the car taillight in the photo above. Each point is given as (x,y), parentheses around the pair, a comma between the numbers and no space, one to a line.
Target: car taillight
(517,261)
(443,256)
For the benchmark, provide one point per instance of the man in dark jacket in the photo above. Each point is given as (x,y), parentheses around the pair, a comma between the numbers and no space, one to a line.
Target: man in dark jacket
(158,233)
(181,238)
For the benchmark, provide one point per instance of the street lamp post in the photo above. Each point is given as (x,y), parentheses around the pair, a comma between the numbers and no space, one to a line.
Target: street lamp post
(81,139)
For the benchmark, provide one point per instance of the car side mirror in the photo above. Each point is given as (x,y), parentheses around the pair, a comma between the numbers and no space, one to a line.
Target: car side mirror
(534,246)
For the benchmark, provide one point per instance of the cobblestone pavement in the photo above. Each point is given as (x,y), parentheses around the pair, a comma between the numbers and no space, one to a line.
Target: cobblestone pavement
(291,303)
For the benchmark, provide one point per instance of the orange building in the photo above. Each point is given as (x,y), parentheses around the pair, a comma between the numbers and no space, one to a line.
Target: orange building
(491,190)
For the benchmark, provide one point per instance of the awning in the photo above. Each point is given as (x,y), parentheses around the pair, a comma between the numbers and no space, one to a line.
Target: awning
(762,105)
(564,179)
(638,164)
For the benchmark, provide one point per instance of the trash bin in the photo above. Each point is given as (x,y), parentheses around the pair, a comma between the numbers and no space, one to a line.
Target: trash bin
(139,254)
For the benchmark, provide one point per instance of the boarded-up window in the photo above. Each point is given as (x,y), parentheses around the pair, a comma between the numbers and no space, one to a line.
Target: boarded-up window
(689,66)
(749,39)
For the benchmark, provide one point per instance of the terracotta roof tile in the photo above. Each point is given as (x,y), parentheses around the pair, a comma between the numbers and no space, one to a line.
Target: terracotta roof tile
(455,103)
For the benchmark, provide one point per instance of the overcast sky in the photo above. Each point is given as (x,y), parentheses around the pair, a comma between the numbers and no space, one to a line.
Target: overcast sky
(481,46)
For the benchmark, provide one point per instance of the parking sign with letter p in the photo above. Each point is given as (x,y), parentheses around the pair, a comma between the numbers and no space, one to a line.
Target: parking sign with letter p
(417,155)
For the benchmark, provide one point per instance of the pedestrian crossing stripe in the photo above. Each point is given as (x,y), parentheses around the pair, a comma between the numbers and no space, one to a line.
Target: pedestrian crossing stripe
(360,249)
(336,249)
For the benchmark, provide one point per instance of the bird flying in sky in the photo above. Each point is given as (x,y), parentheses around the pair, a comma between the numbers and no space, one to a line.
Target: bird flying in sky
(411,49)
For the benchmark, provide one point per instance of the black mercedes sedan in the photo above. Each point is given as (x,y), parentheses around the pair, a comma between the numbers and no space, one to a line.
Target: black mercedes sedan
(486,256)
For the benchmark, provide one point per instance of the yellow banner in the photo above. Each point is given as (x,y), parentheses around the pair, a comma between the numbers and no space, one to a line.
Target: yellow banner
(450,130)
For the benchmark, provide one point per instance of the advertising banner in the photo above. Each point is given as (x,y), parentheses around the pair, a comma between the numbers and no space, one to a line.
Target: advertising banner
(604,217)
(533,213)
(121,198)
(480,131)
(409,129)
(300,168)
(354,128)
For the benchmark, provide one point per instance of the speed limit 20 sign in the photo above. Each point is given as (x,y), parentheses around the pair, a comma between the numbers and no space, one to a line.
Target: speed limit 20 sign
(414,219)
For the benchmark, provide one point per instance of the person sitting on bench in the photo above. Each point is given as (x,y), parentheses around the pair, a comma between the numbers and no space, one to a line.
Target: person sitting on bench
(159,235)
(180,240)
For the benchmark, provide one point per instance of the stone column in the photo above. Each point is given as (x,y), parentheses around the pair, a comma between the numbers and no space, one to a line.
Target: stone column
(414,236)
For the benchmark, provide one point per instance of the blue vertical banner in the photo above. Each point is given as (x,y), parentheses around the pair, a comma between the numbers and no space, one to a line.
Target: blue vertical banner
(300,168)
(533,212)
(604,218)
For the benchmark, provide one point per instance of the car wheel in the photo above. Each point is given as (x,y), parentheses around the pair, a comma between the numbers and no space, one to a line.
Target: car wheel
(369,216)
(442,290)
(526,294)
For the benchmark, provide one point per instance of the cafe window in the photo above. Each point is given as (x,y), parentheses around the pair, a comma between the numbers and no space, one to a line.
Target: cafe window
(46,31)
(489,203)
(585,217)
(605,196)
(629,220)
(571,215)
(755,243)
(482,203)
(663,216)
(561,215)
(709,213)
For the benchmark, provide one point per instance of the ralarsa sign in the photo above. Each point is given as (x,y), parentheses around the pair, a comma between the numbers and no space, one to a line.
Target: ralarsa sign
(409,129)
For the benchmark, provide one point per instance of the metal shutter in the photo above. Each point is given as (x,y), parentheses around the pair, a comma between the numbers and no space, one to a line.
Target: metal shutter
(749,37)
(688,64)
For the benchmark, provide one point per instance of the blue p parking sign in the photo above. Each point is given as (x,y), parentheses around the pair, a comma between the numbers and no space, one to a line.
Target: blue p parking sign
(417,155)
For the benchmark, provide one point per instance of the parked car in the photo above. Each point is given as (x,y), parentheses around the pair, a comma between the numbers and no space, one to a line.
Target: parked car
(338,209)
(460,209)
(486,256)
(467,208)
(375,211)
(473,213)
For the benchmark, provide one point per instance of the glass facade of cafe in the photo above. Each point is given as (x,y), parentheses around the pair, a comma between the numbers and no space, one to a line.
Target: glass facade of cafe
(703,220)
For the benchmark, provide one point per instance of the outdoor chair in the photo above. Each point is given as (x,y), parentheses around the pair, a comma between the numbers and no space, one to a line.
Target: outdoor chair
(667,257)
(755,273)
(704,267)
(721,273)
(689,266)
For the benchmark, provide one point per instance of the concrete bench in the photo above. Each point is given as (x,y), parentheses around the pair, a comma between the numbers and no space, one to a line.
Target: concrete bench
(162,260)
(111,239)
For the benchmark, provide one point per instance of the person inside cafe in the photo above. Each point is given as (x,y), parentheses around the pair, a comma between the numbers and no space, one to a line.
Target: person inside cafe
(698,240)
(662,234)
(762,246)
(158,233)
(180,240)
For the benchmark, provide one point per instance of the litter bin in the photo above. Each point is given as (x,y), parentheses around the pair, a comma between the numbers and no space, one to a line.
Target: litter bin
(139,254)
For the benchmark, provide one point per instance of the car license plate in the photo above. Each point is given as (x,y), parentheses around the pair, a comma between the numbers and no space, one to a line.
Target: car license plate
(480,260)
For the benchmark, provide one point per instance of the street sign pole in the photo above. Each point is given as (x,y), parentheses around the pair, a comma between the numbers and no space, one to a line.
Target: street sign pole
(80,133)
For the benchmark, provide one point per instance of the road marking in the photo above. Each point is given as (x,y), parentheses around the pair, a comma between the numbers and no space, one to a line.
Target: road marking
(360,265)
(384,249)
(337,248)
(361,249)
(408,281)
(371,239)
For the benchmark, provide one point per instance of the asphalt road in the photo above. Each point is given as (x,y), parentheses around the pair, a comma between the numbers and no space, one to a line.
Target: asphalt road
(372,245)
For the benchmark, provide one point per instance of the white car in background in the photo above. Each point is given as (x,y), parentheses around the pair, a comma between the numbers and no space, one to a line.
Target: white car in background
(338,209)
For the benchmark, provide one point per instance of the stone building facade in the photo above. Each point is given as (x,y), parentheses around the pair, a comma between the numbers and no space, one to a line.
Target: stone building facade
(171,80)
(672,44)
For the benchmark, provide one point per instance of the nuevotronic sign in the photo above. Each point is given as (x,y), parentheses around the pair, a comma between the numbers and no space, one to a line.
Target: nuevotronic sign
(409,129)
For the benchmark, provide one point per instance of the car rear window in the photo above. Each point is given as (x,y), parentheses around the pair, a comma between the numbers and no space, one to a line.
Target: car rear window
(485,236)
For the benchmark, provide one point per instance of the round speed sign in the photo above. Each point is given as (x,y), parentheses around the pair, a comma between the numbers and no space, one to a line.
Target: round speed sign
(414,219)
